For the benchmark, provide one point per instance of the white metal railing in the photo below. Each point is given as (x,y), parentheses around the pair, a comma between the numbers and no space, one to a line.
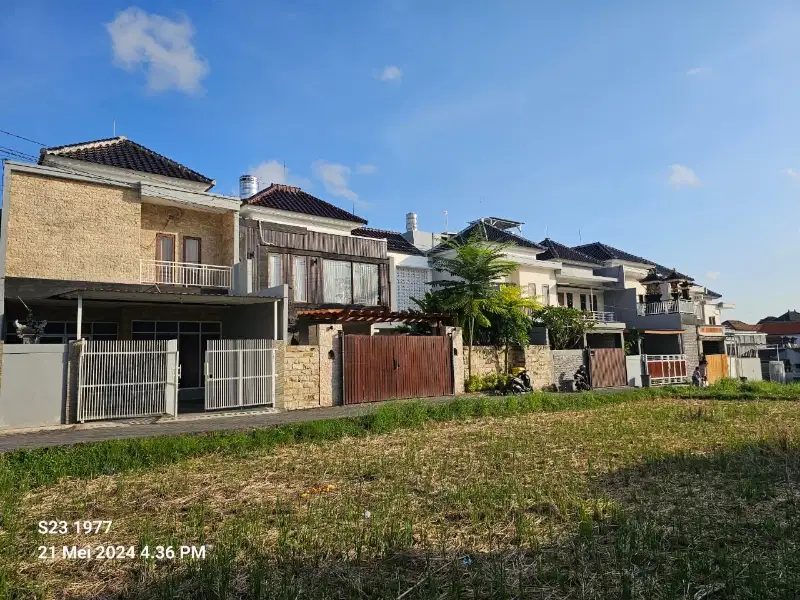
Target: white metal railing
(175,273)
(599,315)
(668,307)
(664,369)
(122,379)
(240,373)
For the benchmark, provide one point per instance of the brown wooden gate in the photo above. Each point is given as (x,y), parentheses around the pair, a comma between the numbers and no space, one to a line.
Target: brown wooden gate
(386,367)
(607,367)
(717,366)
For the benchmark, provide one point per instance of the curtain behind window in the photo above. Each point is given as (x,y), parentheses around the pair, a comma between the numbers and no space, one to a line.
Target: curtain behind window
(274,270)
(300,279)
(365,284)
(337,281)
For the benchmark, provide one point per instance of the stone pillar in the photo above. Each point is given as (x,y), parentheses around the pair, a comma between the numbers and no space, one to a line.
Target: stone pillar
(280,360)
(71,408)
(458,359)
(329,340)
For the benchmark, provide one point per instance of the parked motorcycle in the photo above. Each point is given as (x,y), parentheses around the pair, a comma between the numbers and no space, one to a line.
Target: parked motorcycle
(582,380)
(519,383)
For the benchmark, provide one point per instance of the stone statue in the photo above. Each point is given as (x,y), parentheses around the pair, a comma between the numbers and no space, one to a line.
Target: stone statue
(30,331)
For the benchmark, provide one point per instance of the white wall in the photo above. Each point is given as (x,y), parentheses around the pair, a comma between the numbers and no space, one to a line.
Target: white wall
(576,296)
(527,276)
(408,277)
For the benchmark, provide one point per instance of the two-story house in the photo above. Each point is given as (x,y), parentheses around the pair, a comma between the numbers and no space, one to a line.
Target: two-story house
(111,241)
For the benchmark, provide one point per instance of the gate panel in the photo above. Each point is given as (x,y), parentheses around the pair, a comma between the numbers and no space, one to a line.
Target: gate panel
(607,367)
(240,373)
(386,367)
(124,379)
(717,367)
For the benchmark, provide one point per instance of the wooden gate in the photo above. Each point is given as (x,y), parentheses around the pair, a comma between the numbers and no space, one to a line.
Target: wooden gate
(386,367)
(717,367)
(607,367)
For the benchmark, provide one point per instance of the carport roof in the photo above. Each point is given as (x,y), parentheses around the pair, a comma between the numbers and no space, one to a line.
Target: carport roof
(54,289)
(359,315)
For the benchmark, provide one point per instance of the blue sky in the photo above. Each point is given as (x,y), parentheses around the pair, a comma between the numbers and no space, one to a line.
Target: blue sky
(669,130)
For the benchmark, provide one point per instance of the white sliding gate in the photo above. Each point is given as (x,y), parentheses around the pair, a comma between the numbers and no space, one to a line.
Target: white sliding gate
(240,373)
(122,379)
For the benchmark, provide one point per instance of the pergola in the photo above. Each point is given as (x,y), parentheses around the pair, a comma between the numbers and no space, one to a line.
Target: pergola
(364,315)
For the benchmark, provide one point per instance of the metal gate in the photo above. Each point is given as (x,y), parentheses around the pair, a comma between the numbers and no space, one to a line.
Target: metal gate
(386,367)
(122,379)
(240,373)
(607,367)
(665,369)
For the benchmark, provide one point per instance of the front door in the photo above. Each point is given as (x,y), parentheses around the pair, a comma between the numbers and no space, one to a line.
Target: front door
(165,256)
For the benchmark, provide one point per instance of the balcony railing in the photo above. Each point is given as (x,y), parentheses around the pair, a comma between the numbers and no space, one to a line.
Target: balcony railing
(668,307)
(599,316)
(187,274)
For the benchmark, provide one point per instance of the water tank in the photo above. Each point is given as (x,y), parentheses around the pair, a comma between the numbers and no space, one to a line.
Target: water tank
(248,185)
(411,222)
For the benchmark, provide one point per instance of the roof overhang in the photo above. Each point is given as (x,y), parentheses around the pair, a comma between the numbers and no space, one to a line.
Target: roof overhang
(662,331)
(262,213)
(196,200)
(584,279)
(363,315)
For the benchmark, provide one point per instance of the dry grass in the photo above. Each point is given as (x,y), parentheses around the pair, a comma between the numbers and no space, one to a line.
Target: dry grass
(659,499)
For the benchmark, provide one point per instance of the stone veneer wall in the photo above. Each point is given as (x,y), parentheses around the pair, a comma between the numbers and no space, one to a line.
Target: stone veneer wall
(691,348)
(301,377)
(565,363)
(537,360)
(459,360)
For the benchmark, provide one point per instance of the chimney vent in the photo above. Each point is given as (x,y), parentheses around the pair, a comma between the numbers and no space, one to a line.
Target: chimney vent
(248,185)
(411,221)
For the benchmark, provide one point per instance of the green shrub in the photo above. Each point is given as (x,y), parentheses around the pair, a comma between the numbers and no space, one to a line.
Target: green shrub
(490,381)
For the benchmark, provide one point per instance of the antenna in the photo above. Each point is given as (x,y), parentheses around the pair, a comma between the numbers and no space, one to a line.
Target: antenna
(580,240)
(284,176)
(115,128)
(445,220)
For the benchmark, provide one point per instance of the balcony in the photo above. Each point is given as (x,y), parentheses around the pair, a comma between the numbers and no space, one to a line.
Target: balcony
(599,316)
(668,307)
(184,274)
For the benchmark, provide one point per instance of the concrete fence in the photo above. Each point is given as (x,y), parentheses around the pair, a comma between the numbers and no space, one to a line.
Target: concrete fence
(535,359)
(35,396)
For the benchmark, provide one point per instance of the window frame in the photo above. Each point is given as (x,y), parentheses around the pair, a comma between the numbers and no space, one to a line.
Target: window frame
(295,260)
(546,294)
(189,238)
(159,237)
(270,272)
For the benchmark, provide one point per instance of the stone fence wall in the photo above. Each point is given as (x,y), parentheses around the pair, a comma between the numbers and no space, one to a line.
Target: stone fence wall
(537,360)
(312,373)
(565,363)
(301,377)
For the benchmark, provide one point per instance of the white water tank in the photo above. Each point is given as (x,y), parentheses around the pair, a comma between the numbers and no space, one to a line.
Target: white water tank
(411,222)
(248,185)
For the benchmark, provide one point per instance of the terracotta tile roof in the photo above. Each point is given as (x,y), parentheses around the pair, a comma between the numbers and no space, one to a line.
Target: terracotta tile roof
(293,199)
(488,232)
(556,251)
(739,325)
(125,154)
(782,328)
(395,242)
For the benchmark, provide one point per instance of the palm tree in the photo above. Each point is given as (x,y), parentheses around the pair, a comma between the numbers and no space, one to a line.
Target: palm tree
(514,311)
(477,268)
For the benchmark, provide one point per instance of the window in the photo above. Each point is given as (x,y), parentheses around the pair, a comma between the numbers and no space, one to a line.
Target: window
(531,290)
(712,320)
(546,294)
(274,274)
(365,284)
(61,332)
(594,301)
(560,296)
(337,281)
(301,279)
(641,298)
(583,301)
(191,250)
(569,300)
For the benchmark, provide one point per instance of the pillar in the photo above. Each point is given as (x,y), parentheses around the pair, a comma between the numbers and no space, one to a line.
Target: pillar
(328,338)
(458,358)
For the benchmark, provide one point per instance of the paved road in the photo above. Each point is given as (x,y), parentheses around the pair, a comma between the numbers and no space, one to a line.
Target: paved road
(95,433)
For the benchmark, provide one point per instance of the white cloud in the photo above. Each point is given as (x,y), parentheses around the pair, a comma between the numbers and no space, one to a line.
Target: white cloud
(366,169)
(336,179)
(712,275)
(389,73)
(682,176)
(272,171)
(791,173)
(698,71)
(159,46)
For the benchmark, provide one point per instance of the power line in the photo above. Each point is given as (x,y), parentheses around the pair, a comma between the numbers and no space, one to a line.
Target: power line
(17,153)
(21,137)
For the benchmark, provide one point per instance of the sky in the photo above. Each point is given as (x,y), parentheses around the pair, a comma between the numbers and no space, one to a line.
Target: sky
(669,130)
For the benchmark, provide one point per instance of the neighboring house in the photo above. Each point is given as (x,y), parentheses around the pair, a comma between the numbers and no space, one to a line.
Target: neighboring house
(790,316)
(675,315)
(294,238)
(109,240)
(409,271)
(743,340)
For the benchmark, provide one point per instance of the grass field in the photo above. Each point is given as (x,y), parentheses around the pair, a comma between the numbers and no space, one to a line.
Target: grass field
(583,496)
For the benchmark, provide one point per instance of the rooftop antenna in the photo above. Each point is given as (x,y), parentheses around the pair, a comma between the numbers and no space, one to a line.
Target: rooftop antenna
(580,240)
(115,128)
(445,220)
(284,171)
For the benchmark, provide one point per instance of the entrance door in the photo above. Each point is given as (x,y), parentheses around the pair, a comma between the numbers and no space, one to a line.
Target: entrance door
(717,367)
(165,256)
(386,367)
(607,367)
